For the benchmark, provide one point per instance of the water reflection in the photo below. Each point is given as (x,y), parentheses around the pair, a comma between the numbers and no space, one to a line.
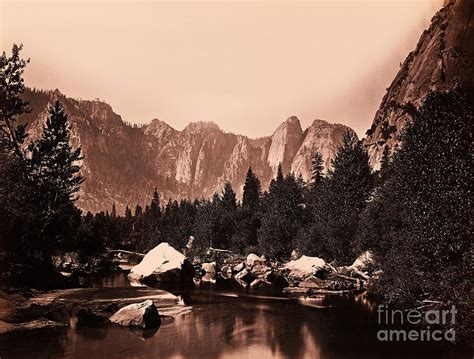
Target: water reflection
(112,279)
(232,324)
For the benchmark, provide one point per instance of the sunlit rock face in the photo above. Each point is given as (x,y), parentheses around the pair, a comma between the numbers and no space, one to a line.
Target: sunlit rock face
(443,58)
(285,142)
(124,163)
(320,136)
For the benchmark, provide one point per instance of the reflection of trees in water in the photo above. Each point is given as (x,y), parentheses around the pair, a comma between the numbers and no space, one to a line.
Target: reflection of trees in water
(233,328)
(225,329)
(283,327)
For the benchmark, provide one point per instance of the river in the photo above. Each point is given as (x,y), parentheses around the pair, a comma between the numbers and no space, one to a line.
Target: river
(229,323)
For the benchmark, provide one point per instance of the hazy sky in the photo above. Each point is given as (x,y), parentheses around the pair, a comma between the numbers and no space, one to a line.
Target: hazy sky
(245,65)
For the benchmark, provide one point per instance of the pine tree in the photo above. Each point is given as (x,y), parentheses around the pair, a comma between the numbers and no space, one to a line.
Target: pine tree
(252,191)
(138,211)
(317,168)
(345,195)
(424,235)
(128,213)
(226,213)
(229,200)
(53,162)
(279,176)
(384,165)
(155,209)
(11,103)
(17,208)
(54,169)
(206,226)
(283,213)
(113,213)
(248,216)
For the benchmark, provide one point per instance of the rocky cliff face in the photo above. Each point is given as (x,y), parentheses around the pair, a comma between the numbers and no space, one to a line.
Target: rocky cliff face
(443,58)
(123,163)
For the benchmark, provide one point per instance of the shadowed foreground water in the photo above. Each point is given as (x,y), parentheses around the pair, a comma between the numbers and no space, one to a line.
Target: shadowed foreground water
(229,324)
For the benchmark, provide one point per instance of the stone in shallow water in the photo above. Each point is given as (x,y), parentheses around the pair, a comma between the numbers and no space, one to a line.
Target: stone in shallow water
(143,315)
(162,264)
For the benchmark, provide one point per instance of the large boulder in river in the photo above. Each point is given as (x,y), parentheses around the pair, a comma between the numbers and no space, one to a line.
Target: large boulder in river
(305,267)
(143,315)
(162,264)
(253,259)
(210,270)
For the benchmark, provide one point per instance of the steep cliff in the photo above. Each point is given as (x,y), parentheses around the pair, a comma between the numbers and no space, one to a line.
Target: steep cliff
(123,163)
(443,58)
(320,136)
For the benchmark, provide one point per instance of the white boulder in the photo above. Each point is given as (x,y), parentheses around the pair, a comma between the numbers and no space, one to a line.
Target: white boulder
(162,264)
(305,267)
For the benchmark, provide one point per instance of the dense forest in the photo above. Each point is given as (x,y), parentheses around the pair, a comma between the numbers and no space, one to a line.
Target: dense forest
(413,213)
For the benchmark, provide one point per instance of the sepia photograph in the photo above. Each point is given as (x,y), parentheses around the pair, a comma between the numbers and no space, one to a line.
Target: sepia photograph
(236,179)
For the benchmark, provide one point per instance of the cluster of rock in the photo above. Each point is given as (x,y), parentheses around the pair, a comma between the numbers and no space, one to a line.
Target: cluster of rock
(253,272)
(313,275)
(302,274)
(141,310)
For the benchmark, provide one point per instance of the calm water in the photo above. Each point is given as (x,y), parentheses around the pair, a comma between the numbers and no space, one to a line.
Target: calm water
(233,324)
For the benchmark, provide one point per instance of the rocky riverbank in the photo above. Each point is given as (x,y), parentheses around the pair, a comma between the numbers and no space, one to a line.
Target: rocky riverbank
(302,275)
(34,310)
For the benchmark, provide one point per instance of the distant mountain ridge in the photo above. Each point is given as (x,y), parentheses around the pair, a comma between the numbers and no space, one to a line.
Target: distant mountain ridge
(124,163)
